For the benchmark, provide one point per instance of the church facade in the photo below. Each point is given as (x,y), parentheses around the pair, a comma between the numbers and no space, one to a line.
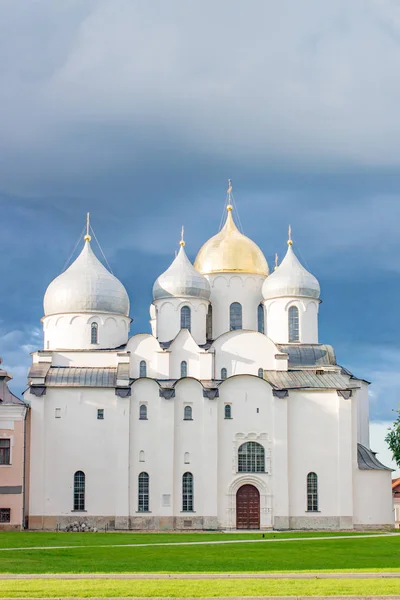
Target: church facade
(229,415)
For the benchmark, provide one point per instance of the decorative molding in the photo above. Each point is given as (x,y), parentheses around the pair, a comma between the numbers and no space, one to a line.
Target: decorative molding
(346,394)
(123,392)
(38,390)
(211,393)
(166,393)
(280,393)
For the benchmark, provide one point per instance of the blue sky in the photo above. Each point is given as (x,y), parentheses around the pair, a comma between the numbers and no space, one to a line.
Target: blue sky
(139,111)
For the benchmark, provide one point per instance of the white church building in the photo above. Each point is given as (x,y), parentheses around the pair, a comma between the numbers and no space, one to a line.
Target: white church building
(230,414)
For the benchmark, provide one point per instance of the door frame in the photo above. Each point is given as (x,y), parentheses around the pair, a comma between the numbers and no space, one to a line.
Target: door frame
(266,513)
(249,485)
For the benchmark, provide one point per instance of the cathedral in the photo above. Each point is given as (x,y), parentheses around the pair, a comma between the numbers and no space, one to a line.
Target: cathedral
(229,415)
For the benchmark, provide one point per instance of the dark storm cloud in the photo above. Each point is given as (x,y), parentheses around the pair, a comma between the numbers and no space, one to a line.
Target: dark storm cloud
(140,110)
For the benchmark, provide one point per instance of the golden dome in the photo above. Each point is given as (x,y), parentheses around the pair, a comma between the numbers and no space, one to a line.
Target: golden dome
(231,251)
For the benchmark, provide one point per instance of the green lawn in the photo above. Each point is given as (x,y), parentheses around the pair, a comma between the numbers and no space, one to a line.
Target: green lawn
(359,553)
(87,588)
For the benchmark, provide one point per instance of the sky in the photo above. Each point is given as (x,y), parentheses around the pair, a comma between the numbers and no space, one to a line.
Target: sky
(140,110)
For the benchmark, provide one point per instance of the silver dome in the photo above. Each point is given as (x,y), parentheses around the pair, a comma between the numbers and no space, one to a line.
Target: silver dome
(181,280)
(86,287)
(290,279)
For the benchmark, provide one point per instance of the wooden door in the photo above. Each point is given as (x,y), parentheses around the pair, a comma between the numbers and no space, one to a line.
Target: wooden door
(248,507)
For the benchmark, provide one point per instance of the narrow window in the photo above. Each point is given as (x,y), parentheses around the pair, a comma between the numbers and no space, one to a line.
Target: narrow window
(5,515)
(260,318)
(184,368)
(57,413)
(94,331)
(187,413)
(312,492)
(235,316)
(141,456)
(100,413)
(251,458)
(185,318)
(5,456)
(293,315)
(209,324)
(261,373)
(79,490)
(224,373)
(143,412)
(187,492)
(186,458)
(143,492)
(143,369)
(228,411)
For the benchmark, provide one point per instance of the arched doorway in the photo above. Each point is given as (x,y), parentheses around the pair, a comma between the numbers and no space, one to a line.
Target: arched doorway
(248,507)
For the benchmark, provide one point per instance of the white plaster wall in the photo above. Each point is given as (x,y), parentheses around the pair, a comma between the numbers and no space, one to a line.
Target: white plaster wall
(73,331)
(277,319)
(100,358)
(362,400)
(144,346)
(168,322)
(233,287)
(373,501)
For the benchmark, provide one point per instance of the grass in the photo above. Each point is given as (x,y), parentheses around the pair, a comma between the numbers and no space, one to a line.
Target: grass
(87,588)
(368,554)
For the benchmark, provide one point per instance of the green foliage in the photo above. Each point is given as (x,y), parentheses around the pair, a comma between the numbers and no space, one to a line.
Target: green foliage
(393,439)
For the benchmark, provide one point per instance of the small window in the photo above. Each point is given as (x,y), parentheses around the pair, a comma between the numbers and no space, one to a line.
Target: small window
(184,368)
(100,413)
(185,318)
(143,369)
(235,316)
(228,411)
(187,414)
(94,333)
(57,413)
(261,373)
(141,456)
(5,515)
(5,451)
(143,412)
(166,499)
(186,458)
(143,492)
(79,490)
(251,457)
(224,373)
(312,492)
(294,330)
(209,324)
(260,318)
(187,492)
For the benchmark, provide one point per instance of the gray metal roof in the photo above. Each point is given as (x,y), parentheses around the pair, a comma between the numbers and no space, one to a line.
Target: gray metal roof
(306,355)
(292,380)
(367,460)
(104,377)
(39,370)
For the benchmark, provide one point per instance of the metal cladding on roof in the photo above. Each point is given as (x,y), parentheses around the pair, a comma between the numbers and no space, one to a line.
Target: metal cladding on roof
(104,377)
(303,355)
(367,460)
(289,380)
(181,280)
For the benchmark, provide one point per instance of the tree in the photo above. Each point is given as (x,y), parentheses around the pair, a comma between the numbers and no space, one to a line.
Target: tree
(393,439)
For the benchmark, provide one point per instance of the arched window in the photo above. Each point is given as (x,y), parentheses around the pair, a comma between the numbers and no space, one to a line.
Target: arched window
(224,373)
(143,492)
(186,458)
(293,316)
(235,316)
(209,323)
(185,318)
(143,369)
(143,412)
(187,413)
(141,456)
(228,411)
(79,490)
(187,492)
(312,492)
(94,333)
(260,372)
(260,318)
(184,368)
(251,458)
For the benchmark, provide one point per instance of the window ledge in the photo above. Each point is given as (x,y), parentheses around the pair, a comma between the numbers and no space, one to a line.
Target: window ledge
(6,465)
(76,510)
(188,512)
(143,419)
(143,512)
(228,418)
(188,419)
(312,511)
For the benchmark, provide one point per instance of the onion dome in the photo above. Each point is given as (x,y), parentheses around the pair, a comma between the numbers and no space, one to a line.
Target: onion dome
(86,287)
(231,251)
(181,280)
(290,279)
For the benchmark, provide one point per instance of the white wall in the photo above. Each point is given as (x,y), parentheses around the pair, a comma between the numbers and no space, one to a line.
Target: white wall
(168,321)
(373,502)
(277,319)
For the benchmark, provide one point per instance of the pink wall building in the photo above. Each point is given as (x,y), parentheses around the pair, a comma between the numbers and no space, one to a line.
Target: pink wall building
(14,457)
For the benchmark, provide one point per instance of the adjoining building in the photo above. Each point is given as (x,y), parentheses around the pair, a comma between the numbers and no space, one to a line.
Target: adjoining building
(229,414)
(14,457)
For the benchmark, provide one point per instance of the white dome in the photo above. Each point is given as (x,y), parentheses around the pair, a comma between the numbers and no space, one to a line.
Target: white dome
(290,279)
(86,287)
(181,280)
